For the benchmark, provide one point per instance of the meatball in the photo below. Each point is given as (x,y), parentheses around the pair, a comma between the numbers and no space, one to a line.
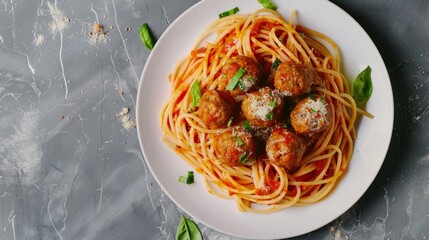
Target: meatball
(262,108)
(248,82)
(285,149)
(235,146)
(216,108)
(293,79)
(311,115)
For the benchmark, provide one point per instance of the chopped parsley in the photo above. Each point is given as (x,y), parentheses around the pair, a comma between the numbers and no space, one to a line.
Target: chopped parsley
(195,95)
(273,103)
(276,64)
(235,79)
(269,116)
(243,158)
(188,179)
(229,122)
(238,140)
(268,4)
(229,12)
(247,126)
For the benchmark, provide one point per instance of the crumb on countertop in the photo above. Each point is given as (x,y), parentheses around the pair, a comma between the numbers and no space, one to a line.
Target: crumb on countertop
(125,118)
(98,34)
(338,235)
(97,27)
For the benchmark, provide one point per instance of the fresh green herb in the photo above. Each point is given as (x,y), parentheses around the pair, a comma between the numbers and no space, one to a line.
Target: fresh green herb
(276,64)
(229,12)
(230,122)
(247,126)
(182,179)
(269,116)
(189,179)
(234,80)
(238,140)
(287,123)
(268,4)
(146,36)
(195,95)
(240,84)
(272,103)
(312,96)
(243,158)
(188,230)
(362,87)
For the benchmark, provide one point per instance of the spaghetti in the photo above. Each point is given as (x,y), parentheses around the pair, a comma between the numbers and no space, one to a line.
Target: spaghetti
(262,185)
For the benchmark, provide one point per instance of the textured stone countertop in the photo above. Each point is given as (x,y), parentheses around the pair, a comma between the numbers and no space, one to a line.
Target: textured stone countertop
(70,168)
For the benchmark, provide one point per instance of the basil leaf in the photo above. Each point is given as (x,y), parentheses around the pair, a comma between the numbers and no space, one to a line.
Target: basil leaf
(362,87)
(146,36)
(188,230)
(229,12)
(195,95)
(269,116)
(234,80)
(268,4)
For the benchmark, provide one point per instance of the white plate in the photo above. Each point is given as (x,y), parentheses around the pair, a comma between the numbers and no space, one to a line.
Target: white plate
(371,146)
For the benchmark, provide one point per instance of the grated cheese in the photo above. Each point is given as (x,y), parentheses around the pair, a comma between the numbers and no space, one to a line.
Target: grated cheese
(318,106)
(247,83)
(312,108)
(261,106)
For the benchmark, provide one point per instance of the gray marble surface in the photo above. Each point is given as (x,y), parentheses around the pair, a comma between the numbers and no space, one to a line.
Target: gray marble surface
(71,169)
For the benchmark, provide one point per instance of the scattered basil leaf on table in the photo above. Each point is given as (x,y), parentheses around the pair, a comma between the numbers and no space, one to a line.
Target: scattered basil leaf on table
(268,4)
(146,36)
(195,95)
(188,230)
(229,12)
(362,87)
